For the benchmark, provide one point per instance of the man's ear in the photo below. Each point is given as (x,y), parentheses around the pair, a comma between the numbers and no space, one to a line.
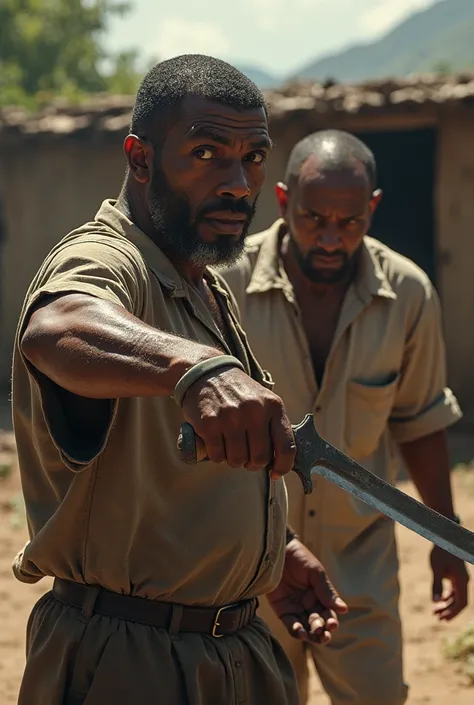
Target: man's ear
(139,155)
(281,191)
(375,200)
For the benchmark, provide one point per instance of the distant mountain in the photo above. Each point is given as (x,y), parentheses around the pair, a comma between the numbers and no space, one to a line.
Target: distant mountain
(262,78)
(438,38)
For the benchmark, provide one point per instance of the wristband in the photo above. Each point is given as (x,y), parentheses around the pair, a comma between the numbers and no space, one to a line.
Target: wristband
(203,368)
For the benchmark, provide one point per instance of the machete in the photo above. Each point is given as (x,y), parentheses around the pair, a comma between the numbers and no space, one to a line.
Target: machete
(314,455)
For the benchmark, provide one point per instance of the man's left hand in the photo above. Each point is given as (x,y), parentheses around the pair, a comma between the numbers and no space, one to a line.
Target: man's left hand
(451,598)
(306,600)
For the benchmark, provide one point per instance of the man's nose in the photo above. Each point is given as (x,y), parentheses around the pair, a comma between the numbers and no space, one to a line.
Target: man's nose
(234,183)
(330,239)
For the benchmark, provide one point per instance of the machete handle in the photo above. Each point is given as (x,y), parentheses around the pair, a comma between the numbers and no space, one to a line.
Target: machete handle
(191,447)
(192,450)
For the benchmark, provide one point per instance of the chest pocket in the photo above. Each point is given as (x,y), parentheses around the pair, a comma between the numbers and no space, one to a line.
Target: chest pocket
(367,412)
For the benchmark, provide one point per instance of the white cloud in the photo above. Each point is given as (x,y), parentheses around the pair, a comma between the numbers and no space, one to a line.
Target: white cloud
(385,13)
(177,36)
(270,15)
(282,35)
(266,13)
(281,6)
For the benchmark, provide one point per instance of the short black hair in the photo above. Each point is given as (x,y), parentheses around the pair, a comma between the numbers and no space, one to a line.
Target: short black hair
(335,149)
(169,82)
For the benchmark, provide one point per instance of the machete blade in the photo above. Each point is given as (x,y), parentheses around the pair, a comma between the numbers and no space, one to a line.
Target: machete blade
(316,456)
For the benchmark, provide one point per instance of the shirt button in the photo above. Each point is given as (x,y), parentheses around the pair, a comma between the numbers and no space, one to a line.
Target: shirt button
(237,664)
(317,409)
(312,513)
(272,501)
(267,558)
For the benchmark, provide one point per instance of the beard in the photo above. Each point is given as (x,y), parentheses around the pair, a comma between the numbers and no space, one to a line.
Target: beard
(319,275)
(176,229)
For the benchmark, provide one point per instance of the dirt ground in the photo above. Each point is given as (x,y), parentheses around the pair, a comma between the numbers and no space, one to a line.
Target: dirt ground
(433,680)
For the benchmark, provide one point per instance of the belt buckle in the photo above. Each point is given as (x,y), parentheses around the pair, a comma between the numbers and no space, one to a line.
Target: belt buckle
(216,621)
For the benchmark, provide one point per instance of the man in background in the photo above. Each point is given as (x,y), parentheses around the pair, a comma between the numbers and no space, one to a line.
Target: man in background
(351,330)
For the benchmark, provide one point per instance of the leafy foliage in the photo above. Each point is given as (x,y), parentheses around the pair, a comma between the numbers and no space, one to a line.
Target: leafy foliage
(51,48)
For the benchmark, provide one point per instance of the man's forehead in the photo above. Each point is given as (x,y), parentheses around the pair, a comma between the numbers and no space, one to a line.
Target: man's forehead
(197,113)
(332,191)
(315,172)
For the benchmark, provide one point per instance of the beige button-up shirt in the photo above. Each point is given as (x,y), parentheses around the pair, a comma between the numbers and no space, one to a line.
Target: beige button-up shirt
(128,514)
(385,377)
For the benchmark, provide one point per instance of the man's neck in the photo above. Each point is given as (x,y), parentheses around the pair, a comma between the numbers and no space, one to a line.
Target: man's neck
(133,209)
(131,206)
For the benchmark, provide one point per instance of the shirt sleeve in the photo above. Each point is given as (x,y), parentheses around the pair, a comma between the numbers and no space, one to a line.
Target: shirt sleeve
(96,267)
(423,403)
(104,270)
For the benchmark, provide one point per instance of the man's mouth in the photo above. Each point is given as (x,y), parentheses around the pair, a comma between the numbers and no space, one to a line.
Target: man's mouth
(328,261)
(226,223)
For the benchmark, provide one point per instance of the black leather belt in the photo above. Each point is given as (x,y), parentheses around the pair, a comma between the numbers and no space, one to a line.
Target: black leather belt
(216,621)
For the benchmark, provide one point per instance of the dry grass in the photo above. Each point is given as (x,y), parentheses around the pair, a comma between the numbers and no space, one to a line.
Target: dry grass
(461,650)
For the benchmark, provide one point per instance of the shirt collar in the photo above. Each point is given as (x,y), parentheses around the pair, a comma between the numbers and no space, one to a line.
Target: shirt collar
(371,279)
(156,260)
(269,273)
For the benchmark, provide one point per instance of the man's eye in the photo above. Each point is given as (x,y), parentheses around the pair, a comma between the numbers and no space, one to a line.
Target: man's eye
(204,153)
(256,157)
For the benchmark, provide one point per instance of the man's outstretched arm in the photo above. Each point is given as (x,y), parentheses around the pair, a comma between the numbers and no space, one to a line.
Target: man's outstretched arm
(96,349)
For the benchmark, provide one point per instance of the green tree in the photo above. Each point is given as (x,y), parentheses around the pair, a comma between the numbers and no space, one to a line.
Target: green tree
(52,48)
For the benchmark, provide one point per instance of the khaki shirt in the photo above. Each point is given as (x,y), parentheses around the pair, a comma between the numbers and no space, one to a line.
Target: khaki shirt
(385,377)
(129,515)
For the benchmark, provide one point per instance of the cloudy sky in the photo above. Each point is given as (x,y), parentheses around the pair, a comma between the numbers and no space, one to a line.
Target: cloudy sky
(277,35)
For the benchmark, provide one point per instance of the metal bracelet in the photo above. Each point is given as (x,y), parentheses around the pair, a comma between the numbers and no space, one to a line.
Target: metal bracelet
(203,368)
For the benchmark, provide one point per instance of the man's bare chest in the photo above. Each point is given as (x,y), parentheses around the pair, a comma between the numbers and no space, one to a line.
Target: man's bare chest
(320,321)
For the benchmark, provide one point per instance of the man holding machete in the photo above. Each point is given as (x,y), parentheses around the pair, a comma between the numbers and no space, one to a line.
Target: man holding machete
(124,334)
(351,331)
